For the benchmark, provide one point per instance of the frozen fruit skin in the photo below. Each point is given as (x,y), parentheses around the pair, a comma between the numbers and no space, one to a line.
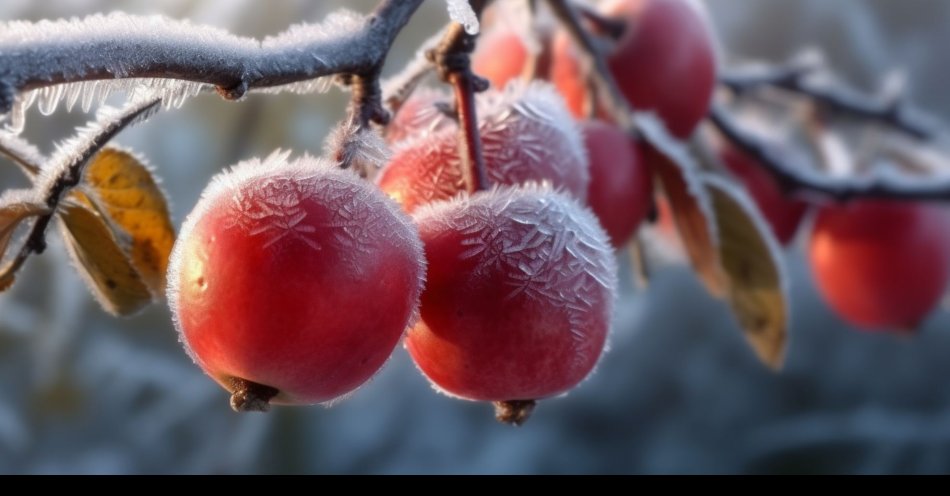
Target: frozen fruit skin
(298,276)
(881,264)
(521,285)
(420,116)
(621,185)
(527,135)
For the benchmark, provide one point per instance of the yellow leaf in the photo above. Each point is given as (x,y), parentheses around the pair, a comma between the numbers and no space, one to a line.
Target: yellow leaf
(123,188)
(750,258)
(11,215)
(685,195)
(101,253)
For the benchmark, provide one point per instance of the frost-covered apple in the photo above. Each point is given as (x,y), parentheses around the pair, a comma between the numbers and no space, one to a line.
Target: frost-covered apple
(519,294)
(527,135)
(420,115)
(292,282)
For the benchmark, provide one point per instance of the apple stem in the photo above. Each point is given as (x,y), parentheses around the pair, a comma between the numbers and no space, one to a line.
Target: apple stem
(514,412)
(247,396)
(453,63)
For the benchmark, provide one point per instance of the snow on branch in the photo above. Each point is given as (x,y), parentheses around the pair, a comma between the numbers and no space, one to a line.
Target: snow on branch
(803,76)
(794,175)
(120,46)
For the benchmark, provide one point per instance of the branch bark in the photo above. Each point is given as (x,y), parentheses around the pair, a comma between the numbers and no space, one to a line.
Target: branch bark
(795,78)
(50,53)
(794,176)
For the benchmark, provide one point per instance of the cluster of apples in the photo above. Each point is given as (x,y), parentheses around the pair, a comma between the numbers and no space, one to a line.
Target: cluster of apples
(293,281)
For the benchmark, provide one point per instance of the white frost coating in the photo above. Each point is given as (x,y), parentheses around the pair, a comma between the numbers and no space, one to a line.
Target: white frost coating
(20,150)
(24,196)
(319,85)
(529,123)
(461,12)
(272,209)
(70,49)
(419,116)
(364,150)
(565,247)
(300,36)
(91,137)
(173,93)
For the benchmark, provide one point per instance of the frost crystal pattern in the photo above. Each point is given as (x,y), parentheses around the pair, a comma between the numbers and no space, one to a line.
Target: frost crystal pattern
(461,12)
(550,248)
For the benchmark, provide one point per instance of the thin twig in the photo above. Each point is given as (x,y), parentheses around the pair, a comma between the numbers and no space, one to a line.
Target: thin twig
(398,88)
(614,102)
(794,175)
(234,65)
(69,176)
(797,78)
(452,59)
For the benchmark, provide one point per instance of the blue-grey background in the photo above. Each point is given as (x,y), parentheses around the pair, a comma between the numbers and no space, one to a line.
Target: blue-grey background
(82,392)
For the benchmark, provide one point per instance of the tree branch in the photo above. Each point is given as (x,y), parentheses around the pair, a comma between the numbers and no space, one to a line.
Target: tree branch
(69,165)
(793,175)
(119,46)
(796,78)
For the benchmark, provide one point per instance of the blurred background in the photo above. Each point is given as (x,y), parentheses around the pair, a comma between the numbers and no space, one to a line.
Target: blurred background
(679,391)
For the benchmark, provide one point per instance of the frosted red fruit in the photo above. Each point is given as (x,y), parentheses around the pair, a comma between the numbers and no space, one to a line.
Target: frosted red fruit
(665,61)
(500,56)
(293,280)
(420,115)
(520,289)
(527,135)
(621,186)
(881,264)
(783,213)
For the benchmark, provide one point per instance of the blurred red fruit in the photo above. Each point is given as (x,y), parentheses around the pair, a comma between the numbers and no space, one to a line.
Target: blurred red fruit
(621,185)
(881,264)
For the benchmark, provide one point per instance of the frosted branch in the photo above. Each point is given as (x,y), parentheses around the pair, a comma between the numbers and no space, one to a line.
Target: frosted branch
(800,78)
(121,46)
(795,175)
(65,169)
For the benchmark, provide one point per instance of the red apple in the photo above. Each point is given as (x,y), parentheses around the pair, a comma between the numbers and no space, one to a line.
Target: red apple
(520,289)
(881,264)
(291,283)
